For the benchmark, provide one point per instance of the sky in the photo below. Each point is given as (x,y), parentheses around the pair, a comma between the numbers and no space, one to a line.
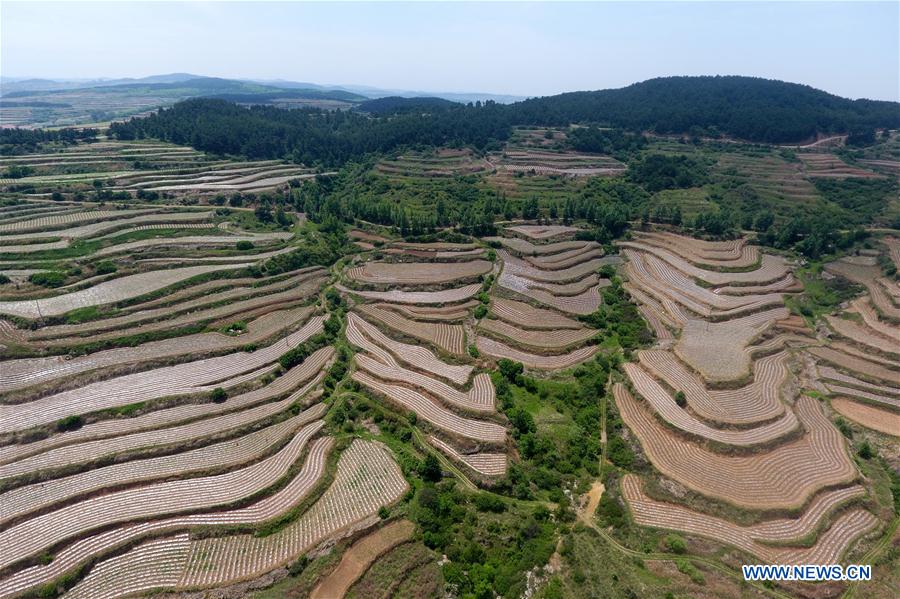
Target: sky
(851,49)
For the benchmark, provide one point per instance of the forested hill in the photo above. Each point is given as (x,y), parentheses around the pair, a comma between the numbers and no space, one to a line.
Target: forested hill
(746,108)
(741,107)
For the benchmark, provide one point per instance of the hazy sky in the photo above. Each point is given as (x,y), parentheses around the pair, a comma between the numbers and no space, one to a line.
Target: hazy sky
(851,49)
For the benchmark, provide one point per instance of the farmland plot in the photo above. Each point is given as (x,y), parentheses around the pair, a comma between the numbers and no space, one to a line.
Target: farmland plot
(479,399)
(191,377)
(218,455)
(664,405)
(364,335)
(757,401)
(368,465)
(816,461)
(756,540)
(118,225)
(32,371)
(434,414)
(417,273)
(484,463)
(256,513)
(547,341)
(110,292)
(166,428)
(878,419)
(499,350)
(147,502)
(360,556)
(446,296)
(543,231)
(448,337)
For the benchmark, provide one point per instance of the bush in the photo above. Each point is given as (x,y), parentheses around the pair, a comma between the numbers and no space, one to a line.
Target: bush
(510,370)
(4,279)
(218,395)
(481,311)
(50,278)
(680,399)
(244,245)
(106,267)
(69,423)
(473,351)
(865,451)
(485,502)
(676,544)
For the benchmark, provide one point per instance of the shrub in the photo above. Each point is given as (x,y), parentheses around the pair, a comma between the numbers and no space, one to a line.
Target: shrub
(218,395)
(4,279)
(50,278)
(680,399)
(106,267)
(676,544)
(244,245)
(473,351)
(865,451)
(481,311)
(69,423)
(485,502)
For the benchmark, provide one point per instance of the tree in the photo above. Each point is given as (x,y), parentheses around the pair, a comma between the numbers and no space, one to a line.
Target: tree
(431,469)
(263,213)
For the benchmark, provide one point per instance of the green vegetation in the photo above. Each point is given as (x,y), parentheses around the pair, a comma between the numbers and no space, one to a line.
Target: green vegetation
(51,278)
(656,172)
(618,320)
(820,295)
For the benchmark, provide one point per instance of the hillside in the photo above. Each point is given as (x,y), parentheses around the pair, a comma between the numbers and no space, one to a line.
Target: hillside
(747,108)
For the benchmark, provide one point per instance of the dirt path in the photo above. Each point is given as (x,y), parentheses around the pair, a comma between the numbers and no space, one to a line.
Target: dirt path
(360,556)
(593,500)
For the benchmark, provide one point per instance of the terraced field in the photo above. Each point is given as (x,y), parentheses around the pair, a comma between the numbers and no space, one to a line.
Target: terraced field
(149,166)
(439,163)
(715,406)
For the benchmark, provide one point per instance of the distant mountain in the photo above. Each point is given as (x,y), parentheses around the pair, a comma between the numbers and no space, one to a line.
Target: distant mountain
(398,105)
(11,84)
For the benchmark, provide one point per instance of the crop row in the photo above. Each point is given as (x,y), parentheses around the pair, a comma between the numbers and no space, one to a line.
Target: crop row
(500,350)
(815,461)
(185,421)
(828,549)
(550,340)
(367,478)
(417,273)
(102,582)
(449,337)
(368,337)
(191,377)
(428,410)
(663,404)
(147,502)
(485,463)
